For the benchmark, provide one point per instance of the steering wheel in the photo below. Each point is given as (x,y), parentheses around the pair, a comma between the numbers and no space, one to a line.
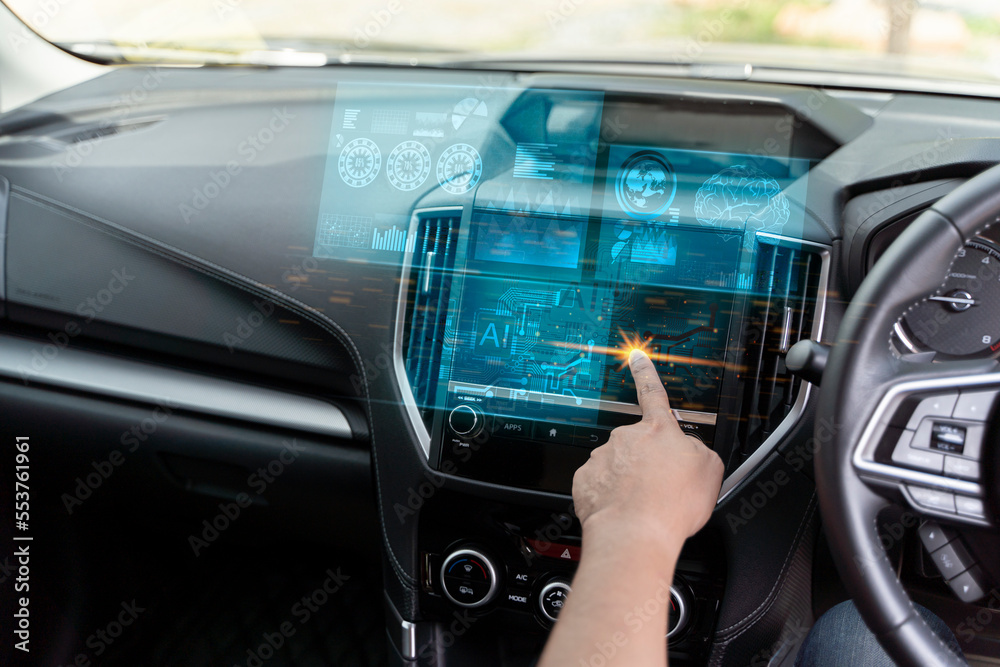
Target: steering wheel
(868,400)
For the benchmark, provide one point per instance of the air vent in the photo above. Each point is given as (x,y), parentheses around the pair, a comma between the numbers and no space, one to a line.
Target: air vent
(104,130)
(427,315)
(781,312)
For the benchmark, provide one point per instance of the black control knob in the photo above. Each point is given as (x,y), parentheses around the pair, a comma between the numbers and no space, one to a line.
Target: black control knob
(467,420)
(553,597)
(468,578)
(679,612)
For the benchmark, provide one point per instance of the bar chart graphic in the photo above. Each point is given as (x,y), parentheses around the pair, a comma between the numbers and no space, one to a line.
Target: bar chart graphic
(535,161)
(392,239)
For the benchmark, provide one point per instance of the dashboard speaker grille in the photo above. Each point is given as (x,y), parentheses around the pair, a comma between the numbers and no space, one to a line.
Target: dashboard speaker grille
(781,312)
(427,314)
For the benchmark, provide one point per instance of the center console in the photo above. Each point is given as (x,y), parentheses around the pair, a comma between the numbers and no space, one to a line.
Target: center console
(557,230)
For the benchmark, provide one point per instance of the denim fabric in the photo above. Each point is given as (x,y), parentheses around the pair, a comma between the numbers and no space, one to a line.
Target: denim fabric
(840,638)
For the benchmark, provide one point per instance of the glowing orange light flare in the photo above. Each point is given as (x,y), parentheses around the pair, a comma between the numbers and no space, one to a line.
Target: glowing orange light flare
(633,341)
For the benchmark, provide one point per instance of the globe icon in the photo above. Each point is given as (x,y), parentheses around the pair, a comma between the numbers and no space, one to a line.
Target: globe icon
(645,185)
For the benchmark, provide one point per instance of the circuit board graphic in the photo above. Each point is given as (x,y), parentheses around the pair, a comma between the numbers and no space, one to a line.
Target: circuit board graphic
(516,341)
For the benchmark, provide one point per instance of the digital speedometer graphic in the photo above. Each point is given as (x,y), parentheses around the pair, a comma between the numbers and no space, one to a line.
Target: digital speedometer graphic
(961,319)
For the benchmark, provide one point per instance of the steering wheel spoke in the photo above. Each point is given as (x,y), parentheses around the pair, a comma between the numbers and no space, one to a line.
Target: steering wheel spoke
(927,439)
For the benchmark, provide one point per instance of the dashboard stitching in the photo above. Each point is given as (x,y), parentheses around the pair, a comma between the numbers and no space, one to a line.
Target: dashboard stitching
(769,599)
(246,284)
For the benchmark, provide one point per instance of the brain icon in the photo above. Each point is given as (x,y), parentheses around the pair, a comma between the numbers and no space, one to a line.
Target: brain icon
(745,195)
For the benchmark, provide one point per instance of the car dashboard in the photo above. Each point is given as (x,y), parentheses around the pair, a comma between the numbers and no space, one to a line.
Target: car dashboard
(440,273)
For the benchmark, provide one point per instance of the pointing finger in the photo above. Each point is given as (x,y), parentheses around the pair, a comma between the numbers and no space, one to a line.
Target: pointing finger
(652,396)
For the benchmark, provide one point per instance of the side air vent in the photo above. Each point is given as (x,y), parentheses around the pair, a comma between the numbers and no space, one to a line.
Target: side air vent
(427,313)
(782,310)
(104,130)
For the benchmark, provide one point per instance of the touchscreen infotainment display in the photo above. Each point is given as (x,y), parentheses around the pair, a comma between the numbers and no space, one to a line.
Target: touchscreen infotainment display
(588,228)
(545,339)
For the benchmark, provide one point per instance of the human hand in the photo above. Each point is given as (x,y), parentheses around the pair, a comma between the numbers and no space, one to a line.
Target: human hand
(650,481)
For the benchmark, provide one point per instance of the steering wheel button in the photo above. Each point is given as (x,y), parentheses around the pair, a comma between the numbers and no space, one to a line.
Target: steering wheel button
(967,586)
(934,536)
(952,559)
(974,436)
(921,459)
(932,499)
(974,405)
(973,507)
(947,437)
(935,406)
(961,468)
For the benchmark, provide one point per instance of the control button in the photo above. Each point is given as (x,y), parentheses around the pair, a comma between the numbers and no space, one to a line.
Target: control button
(468,578)
(974,405)
(952,559)
(519,598)
(972,445)
(961,468)
(466,593)
(466,420)
(553,550)
(975,434)
(520,578)
(553,598)
(920,459)
(559,433)
(932,499)
(967,585)
(679,613)
(947,437)
(974,507)
(588,436)
(511,427)
(935,406)
(934,536)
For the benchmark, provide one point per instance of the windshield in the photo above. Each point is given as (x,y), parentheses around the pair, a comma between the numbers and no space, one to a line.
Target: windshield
(951,39)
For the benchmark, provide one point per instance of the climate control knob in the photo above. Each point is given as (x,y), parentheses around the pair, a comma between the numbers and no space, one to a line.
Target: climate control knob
(679,612)
(469,578)
(553,597)
(467,420)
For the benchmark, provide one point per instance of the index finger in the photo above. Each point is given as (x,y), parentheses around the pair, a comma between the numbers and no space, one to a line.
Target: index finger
(652,396)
